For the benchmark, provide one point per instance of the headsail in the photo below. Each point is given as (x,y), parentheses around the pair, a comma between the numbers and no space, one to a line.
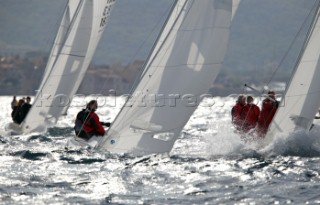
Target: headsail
(80,31)
(302,97)
(186,60)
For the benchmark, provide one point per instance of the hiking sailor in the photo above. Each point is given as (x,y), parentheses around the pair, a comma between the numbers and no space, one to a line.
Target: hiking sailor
(249,115)
(268,110)
(87,123)
(236,112)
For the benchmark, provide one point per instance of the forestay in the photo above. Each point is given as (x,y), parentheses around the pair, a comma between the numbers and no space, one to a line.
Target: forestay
(180,70)
(80,30)
(302,97)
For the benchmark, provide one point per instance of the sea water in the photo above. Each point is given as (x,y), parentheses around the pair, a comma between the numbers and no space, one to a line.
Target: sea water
(209,164)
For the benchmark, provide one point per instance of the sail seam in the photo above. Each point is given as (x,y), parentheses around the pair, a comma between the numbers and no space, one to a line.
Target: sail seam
(201,29)
(180,65)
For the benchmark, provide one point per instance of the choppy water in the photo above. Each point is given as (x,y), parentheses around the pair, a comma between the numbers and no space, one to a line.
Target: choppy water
(208,165)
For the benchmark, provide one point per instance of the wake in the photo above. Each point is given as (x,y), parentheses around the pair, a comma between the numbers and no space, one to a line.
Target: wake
(300,143)
(226,142)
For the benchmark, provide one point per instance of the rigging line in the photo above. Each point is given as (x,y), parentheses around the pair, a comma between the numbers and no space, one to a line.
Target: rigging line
(141,46)
(290,46)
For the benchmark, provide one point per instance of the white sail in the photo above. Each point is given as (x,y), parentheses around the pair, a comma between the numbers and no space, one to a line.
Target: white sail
(80,31)
(63,29)
(187,60)
(302,97)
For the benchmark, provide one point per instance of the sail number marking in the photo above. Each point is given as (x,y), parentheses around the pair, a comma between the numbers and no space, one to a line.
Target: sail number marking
(106,13)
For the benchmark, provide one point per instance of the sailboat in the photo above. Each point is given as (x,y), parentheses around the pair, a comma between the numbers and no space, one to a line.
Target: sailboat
(179,71)
(301,100)
(80,30)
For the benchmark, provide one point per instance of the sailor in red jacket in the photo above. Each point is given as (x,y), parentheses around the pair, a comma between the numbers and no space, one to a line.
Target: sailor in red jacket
(87,123)
(236,111)
(249,115)
(268,110)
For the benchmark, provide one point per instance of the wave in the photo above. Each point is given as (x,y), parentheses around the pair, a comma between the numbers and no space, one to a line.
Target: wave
(299,143)
(27,154)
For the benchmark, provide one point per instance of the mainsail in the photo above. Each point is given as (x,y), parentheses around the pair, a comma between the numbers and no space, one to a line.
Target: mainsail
(301,100)
(186,59)
(80,30)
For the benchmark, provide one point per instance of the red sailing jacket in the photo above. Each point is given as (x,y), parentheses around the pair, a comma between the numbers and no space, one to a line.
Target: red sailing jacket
(93,125)
(236,115)
(268,111)
(249,115)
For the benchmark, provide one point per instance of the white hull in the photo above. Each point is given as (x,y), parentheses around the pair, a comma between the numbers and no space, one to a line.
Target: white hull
(75,142)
